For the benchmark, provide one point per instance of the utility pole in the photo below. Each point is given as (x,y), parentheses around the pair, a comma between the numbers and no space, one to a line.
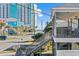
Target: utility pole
(34,20)
(34,23)
(41,24)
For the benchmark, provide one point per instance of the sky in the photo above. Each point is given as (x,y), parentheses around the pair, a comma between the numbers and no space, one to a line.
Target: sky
(46,8)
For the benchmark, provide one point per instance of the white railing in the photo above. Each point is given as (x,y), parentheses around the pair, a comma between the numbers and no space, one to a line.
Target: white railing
(67,52)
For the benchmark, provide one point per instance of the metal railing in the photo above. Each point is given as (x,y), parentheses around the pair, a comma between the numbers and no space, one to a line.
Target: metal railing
(68,33)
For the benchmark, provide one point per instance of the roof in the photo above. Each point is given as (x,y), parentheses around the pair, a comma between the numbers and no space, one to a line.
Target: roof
(67,10)
(68,5)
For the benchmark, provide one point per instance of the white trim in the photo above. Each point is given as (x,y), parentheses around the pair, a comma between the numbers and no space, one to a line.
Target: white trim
(66,39)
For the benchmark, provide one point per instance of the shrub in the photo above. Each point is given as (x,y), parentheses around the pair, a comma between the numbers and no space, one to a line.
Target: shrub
(38,35)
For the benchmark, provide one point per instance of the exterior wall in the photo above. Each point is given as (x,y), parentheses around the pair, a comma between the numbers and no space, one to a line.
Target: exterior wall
(67,52)
(65,23)
(60,22)
(22,13)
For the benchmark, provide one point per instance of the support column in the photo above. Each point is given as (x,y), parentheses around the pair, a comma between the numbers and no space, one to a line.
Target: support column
(54,49)
(54,25)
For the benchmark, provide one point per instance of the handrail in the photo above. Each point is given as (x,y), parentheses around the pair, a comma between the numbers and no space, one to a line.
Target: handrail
(41,42)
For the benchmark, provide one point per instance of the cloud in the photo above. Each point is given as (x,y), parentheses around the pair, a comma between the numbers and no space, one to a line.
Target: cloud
(39,11)
(40,15)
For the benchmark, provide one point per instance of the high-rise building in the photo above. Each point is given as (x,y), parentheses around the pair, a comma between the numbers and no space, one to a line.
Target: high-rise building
(35,8)
(26,14)
(22,12)
(36,15)
(4,10)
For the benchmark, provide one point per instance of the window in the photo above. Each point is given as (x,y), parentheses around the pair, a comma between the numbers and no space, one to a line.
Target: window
(63,46)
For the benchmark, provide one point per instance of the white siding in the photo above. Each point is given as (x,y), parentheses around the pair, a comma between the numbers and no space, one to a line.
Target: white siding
(67,52)
(61,23)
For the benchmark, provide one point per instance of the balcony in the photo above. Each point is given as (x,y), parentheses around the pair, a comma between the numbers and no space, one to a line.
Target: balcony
(65,32)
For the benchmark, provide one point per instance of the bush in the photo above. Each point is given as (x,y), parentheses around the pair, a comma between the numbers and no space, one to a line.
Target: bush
(37,36)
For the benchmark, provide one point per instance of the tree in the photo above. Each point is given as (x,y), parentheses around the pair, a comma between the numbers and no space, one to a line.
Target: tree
(48,27)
